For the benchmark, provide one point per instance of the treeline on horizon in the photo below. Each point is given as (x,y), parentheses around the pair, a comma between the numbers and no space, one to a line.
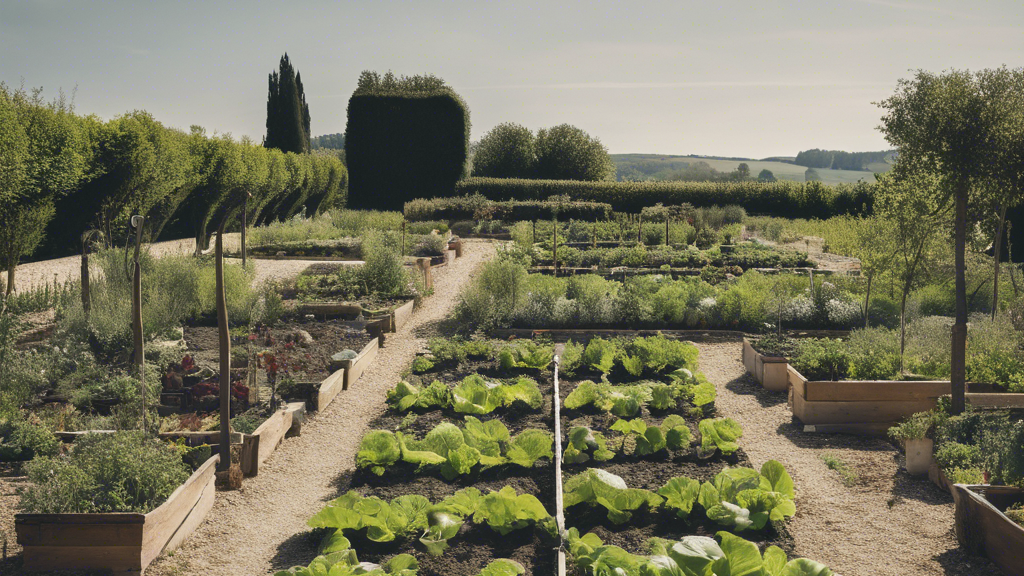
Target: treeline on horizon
(840,160)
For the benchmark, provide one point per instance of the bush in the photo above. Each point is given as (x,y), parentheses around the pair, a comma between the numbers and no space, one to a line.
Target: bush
(874,354)
(567,152)
(405,138)
(430,245)
(955,455)
(821,359)
(784,199)
(119,472)
(20,440)
(383,272)
(477,207)
(507,151)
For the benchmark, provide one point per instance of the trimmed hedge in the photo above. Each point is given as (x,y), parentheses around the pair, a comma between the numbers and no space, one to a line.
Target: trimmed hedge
(787,199)
(476,207)
(407,144)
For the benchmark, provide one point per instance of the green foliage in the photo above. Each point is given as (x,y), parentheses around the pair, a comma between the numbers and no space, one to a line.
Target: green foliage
(821,359)
(119,472)
(956,455)
(21,440)
(566,152)
(383,521)
(421,364)
(1016,513)
(915,427)
(600,355)
(287,111)
(595,486)
(474,395)
(383,272)
(785,199)
(571,358)
(405,138)
(584,445)
(344,562)
(377,450)
(405,396)
(622,401)
(507,151)
(673,433)
(719,434)
(742,498)
(525,354)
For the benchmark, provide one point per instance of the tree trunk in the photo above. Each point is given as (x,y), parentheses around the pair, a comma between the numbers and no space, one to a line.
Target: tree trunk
(10,278)
(245,215)
(86,295)
(996,248)
(903,327)
(225,357)
(958,357)
(867,301)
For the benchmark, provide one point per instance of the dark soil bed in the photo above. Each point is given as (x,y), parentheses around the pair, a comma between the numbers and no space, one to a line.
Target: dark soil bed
(308,362)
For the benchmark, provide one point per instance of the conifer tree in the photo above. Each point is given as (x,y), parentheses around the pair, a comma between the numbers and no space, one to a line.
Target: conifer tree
(287,111)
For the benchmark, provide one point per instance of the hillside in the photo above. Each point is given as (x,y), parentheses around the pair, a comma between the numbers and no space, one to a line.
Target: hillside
(781,170)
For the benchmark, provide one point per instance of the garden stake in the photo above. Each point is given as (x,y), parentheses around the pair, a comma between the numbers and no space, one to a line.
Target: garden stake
(403,237)
(554,248)
(140,358)
(534,231)
(559,515)
(640,229)
(225,356)
(666,230)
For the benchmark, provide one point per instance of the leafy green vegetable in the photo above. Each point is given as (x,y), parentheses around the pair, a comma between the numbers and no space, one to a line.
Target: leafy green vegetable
(503,567)
(378,450)
(345,563)
(474,395)
(441,527)
(456,451)
(530,446)
(504,511)
(622,401)
(422,364)
(596,486)
(680,494)
(382,521)
(525,354)
(743,498)
(585,444)
(600,355)
(571,358)
(406,396)
(720,434)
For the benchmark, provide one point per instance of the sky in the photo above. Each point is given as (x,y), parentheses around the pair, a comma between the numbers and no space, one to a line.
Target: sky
(726,78)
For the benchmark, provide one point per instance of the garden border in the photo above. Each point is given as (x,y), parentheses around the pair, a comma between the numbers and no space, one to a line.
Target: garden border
(980,526)
(117,541)
(259,445)
(354,368)
(771,372)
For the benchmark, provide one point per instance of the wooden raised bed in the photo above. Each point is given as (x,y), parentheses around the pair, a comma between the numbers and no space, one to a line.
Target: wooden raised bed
(402,314)
(354,368)
(772,372)
(871,406)
(981,527)
(259,445)
(118,542)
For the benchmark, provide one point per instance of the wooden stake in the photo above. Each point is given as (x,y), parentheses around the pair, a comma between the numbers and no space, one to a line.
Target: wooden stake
(640,229)
(140,358)
(225,356)
(559,513)
(554,247)
(245,215)
(666,230)
(403,238)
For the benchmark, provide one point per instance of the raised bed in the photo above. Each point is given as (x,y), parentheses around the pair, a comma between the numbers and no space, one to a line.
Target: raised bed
(117,542)
(771,372)
(259,445)
(981,527)
(354,368)
(872,406)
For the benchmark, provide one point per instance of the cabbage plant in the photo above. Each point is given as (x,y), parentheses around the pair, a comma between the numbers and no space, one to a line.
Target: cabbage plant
(742,498)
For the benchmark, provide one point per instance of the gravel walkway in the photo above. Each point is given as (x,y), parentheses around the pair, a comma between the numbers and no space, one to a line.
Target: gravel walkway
(885,523)
(262,527)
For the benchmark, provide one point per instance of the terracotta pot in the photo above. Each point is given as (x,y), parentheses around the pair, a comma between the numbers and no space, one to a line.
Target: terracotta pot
(919,456)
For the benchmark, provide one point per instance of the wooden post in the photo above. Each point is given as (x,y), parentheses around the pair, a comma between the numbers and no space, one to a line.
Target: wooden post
(640,229)
(245,215)
(666,230)
(140,358)
(225,356)
(86,296)
(595,234)
(534,231)
(554,247)
(403,238)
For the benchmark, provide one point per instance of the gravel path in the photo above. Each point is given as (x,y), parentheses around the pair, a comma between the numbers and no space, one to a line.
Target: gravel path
(262,527)
(885,523)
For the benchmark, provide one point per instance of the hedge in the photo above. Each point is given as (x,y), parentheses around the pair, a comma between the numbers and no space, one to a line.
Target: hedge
(786,199)
(476,207)
(401,146)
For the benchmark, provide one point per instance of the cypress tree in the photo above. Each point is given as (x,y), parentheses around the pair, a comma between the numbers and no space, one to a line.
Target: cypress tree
(287,111)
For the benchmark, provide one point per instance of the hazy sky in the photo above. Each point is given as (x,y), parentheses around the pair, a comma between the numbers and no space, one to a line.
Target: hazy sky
(749,79)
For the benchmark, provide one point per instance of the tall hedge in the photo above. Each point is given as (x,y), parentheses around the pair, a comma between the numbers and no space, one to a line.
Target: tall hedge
(406,138)
(477,207)
(785,199)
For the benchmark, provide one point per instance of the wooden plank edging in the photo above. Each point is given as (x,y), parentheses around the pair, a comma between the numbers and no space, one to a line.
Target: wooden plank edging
(980,526)
(259,445)
(354,368)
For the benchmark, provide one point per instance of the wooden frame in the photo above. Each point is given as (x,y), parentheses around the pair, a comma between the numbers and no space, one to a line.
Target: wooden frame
(119,542)
(981,527)
(259,445)
(771,372)
(354,368)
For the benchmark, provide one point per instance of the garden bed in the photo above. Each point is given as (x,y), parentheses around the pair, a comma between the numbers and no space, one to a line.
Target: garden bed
(117,542)
(982,527)
(771,372)
(355,367)
(259,445)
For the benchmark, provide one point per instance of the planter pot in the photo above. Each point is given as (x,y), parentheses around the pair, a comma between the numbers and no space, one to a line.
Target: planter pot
(981,527)
(919,455)
(125,543)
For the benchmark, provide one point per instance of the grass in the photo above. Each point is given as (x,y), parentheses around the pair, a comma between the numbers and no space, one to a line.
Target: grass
(846,473)
(781,170)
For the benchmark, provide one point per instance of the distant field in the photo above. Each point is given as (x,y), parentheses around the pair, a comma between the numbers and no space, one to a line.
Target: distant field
(781,170)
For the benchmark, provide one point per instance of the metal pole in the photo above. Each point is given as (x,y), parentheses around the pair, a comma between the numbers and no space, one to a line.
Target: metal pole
(559,513)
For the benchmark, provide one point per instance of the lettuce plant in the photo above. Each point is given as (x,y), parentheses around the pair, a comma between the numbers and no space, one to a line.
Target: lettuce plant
(503,567)
(690,556)
(673,433)
(405,396)
(719,434)
(441,527)
(600,487)
(525,354)
(378,450)
(680,495)
(345,563)
(742,498)
(622,401)
(599,355)
(474,395)
(381,520)
(503,510)
(585,444)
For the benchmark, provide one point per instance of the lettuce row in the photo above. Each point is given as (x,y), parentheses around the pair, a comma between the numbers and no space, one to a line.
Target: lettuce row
(345,563)
(455,451)
(525,354)
(742,498)
(473,395)
(626,401)
(690,556)
(637,356)
(673,434)
(503,510)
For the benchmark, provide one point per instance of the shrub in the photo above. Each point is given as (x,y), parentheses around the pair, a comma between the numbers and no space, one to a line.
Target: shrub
(567,152)
(821,359)
(956,455)
(507,151)
(874,354)
(20,440)
(476,207)
(383,272)
(405,138)
(430,245)
(119,472)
